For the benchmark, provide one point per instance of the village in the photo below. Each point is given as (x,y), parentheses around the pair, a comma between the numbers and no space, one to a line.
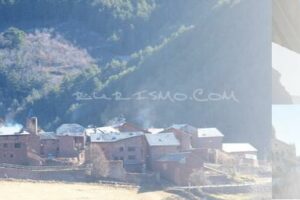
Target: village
(181,154)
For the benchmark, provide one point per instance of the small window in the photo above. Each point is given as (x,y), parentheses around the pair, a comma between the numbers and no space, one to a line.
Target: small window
(11,155)
(116,158)
(121,149)
(121,158)
(131,148)
(131,157)
(17,145)
(5,145)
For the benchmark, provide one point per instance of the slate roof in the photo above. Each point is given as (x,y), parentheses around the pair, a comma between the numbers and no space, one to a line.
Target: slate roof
(162,139)
(209,132)
(238,147)
(70,130)
(155,130)
(113,137)
(103,129)
(184,127)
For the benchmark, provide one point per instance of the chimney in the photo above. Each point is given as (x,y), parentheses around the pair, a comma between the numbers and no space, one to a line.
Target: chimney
(32,125)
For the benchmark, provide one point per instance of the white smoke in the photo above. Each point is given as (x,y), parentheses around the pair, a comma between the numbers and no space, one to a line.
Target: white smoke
(10,128)
(145,117)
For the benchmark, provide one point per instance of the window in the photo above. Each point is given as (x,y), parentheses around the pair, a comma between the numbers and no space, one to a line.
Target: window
(131,157)
(5,145)
(17,145)
(11,155)
(121,149)
(131,148)
(116,158)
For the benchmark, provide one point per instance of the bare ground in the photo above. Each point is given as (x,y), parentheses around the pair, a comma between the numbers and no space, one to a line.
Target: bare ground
(23,190)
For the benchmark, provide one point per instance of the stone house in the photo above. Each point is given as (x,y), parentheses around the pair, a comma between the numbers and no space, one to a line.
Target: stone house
(159,145)
(71,140)
(183,137)
(129,147)
(13,147)
(207,138)
(49,144)
(178,167)
(245,153)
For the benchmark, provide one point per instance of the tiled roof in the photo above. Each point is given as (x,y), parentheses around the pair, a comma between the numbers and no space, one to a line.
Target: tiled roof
(113,137)
(209,132)
(70,130)
(162,139)
(238,147)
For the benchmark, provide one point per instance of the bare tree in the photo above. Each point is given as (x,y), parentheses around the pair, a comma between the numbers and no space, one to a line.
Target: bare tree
(100,164)
(197,177)
(226,159)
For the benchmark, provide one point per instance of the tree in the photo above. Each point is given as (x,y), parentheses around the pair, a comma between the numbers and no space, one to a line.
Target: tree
(100,165)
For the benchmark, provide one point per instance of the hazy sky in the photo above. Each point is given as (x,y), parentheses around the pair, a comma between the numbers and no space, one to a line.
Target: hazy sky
(286,121)
(287,62)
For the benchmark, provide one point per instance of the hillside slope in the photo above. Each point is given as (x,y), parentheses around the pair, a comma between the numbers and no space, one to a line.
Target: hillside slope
(172,45)
(226,51)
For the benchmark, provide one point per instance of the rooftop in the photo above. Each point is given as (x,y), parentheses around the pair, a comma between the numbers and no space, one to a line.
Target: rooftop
(184,127)
(155,130)
(70,130)
(15,129)
(238,147)
(113,137)
(103,129)
(162,139)
(209,132)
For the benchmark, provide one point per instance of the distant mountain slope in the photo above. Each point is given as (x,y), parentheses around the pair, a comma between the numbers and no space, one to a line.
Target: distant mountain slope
(286,23)
(226,51)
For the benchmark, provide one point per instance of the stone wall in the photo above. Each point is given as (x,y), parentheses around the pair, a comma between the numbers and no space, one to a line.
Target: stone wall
(55,174)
